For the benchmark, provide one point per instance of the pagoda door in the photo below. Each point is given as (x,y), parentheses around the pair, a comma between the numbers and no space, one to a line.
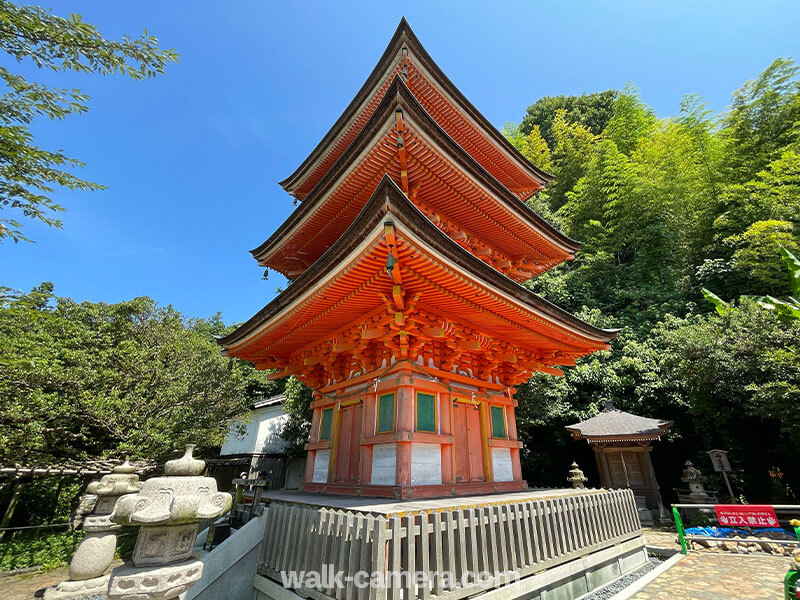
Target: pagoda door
(349,444)
(468,443)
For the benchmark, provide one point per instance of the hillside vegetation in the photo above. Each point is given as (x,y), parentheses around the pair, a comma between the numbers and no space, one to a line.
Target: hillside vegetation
(667,207)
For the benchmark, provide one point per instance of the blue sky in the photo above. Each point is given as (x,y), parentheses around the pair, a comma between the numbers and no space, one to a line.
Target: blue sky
(192,159)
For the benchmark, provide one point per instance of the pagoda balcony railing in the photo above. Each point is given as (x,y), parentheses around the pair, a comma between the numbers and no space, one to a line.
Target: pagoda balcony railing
(498,542)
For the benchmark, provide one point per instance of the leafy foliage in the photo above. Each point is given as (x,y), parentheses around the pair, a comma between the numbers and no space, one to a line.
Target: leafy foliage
(91,379)
(298,406)
(670,209)
(763,120)
(532,145)
(591,110)
(49,549)
(740,373)
(28,173)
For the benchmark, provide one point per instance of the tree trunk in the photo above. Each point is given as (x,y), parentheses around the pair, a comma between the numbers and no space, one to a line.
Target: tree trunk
(12,505)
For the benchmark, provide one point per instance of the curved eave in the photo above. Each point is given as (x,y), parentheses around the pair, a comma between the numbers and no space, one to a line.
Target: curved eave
(644,435)
(611,439)
(388,198)
(399,95)
(404,35)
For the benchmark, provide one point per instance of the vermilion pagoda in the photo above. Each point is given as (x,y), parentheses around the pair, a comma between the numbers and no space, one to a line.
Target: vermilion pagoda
(405,312)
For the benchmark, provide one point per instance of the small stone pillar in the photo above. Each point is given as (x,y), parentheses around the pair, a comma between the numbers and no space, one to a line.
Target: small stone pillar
(96,550)
(576,476)
(168,510)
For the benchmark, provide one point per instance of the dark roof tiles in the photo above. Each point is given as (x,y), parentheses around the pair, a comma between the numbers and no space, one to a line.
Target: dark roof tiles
(617,423)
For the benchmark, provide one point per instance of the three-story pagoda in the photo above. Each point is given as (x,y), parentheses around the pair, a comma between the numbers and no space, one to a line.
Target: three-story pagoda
(405,312)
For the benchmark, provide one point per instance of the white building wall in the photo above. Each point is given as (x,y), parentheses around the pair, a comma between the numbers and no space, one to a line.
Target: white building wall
(501,460)
(262,434)
(384,464)
(321,461)
(426,464)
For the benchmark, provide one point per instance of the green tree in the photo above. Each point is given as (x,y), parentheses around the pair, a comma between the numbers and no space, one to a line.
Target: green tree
(532,145)
(758,253)
(763,120)
(631,120)
(590,110)
(297,405)
(28,173)
(774,194)
(740,375)
(96,379)
(666,206)
(573,145)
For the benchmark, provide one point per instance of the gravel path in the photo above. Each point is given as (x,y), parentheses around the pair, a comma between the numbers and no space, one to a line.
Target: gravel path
(608,591)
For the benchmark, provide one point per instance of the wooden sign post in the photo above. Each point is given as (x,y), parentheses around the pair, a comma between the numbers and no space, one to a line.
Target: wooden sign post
(719,458)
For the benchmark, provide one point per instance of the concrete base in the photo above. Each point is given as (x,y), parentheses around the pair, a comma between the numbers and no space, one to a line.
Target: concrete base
(567,581)
(402,492)
(387,507)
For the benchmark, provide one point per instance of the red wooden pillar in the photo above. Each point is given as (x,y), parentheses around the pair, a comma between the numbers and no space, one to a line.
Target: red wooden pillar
(370,406)
(446,428)
(486,435)
(404,424)
(516,467)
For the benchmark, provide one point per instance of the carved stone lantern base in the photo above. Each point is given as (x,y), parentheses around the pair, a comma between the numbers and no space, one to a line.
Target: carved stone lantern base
(161,583)
(162,545)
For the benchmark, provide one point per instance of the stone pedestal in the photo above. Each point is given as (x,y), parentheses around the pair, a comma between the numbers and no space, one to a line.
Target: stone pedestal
(129,582)
(645,514)
(167,509)
(96,550)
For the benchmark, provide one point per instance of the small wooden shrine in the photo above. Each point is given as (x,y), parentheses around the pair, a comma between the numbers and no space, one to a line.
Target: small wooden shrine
(622,444)
(405,312)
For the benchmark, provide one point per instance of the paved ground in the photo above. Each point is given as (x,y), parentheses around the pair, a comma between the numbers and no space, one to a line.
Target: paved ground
(661,537)
(707,576)
(23,587)
(32,585)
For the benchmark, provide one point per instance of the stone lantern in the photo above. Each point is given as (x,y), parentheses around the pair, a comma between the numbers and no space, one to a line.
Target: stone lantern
(167,509)
(96,550)
(576,476)
(697,493)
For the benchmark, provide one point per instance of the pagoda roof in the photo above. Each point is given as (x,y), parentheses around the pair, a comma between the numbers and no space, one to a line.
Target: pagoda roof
(617,425)
(451,182)
(349,283)
(469,128)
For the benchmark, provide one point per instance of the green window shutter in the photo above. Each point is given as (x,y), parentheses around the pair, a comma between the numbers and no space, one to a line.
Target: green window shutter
(386,413)
(327,422)
(426,412)
(498,422)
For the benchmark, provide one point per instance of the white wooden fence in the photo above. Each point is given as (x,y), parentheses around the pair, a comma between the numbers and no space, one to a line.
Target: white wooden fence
(519,538)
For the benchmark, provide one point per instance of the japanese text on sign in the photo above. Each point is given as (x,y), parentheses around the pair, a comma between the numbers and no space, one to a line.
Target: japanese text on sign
(746,515)
(719,458)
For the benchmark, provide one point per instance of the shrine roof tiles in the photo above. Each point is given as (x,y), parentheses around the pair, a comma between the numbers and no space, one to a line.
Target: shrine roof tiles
(389,201)
(618,424)
(474,132)
(465,183)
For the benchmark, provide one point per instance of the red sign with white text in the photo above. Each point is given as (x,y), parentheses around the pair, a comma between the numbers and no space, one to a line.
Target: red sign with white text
(746,515)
